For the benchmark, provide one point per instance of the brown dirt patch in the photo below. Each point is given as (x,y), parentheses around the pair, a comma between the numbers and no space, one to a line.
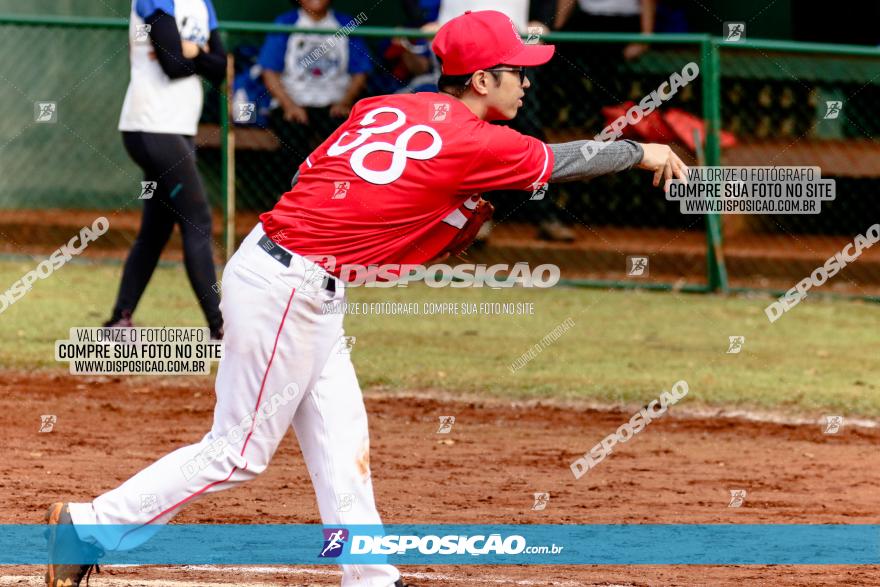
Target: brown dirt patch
(679,470)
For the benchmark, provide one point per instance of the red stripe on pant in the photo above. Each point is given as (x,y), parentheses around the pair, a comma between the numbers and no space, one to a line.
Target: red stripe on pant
(250,433)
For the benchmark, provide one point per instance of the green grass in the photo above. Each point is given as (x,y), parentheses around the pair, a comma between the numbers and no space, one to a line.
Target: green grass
(624,346)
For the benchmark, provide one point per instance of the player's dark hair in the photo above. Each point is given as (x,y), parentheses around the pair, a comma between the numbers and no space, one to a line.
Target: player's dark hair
(456,85)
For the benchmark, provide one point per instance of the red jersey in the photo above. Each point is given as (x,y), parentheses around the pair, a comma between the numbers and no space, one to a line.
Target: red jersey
(398,179)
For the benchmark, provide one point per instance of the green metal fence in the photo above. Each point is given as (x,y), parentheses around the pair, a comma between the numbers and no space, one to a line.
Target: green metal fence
(768,94)
(774,97)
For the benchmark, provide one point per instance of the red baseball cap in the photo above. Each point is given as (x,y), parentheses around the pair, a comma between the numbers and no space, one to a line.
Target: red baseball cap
(479,40)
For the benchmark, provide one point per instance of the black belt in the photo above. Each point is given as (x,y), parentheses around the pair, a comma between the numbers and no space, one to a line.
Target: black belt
(284,257)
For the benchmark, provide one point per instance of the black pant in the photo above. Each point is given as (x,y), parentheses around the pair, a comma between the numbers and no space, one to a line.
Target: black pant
(179,198)
(299,140)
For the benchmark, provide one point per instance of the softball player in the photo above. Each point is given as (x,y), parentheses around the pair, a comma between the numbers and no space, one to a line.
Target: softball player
(397,183)
(173,42)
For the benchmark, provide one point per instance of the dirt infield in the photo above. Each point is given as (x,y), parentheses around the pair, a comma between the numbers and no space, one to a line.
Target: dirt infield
(679,470)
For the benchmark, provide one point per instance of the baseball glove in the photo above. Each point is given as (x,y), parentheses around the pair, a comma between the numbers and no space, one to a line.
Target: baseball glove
(482,213)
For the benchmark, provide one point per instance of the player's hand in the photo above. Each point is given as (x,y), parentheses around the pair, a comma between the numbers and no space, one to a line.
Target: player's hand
(663,162)
(295,113)
(340,110)
(634,51)
(190,49)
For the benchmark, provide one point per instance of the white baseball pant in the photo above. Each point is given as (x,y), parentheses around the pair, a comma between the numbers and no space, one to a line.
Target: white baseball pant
(284,360)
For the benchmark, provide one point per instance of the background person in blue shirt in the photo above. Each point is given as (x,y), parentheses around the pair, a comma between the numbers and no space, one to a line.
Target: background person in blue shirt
(408,65)
(314,79)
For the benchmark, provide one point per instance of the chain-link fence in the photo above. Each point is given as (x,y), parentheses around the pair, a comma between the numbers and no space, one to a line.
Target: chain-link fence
(770,100)
(62,160)
(804,105)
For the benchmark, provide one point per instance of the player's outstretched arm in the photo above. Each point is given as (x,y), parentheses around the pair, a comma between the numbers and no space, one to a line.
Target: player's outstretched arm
(582,160)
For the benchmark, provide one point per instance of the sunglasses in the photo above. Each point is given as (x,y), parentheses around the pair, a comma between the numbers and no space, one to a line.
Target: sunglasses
(520,70)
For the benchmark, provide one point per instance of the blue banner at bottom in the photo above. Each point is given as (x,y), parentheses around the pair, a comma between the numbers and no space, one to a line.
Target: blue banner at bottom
(420,544)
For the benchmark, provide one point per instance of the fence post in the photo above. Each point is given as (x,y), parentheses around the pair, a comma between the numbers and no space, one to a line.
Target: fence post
(711,72)
(227,160)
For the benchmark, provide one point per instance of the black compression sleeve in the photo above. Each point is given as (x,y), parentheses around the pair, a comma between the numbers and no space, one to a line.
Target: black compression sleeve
(166,42)
(212,65)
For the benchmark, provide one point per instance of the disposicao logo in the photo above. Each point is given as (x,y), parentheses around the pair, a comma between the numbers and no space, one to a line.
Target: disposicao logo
(334,542)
